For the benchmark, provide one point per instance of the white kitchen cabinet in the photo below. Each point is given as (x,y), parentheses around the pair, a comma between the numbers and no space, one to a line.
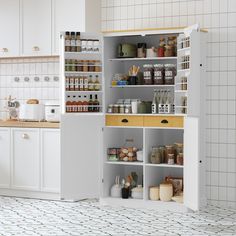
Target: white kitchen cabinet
(9,28)
(50,160)
(5,158)
(25,171)
(36,27)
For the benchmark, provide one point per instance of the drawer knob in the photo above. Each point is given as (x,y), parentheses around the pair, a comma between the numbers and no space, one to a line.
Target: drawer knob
(25,136)
(164,122)
(124,121)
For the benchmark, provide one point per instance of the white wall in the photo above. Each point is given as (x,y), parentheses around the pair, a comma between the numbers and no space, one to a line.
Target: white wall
(219,17)
(22,90)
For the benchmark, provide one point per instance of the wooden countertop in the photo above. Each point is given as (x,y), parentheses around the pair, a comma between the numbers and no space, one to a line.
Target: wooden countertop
(22,124)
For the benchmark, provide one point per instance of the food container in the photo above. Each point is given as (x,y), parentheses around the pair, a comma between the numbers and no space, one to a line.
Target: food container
(139,155)
(180,159)
(113,154)
(148,74)
(137,193)
(116,188)
(154,193)
(128,154)
(170,73)
(166,192)
(169,149)
(151,52)
(159,71)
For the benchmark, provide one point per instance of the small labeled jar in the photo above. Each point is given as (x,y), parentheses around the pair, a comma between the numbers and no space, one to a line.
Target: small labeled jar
(116,108)
(169,149)
(122,108)
(128,108)
(85,66)
(171,159)
(180,159)
(141,51)
(91,66)
(170,73)
(110,108)
(159,72)
(97,65)
(96,45)
(83,45)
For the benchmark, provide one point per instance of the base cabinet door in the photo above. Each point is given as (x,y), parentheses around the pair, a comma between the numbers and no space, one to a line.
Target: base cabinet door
(25,168)
(4,158)
(191,163)
(50,160)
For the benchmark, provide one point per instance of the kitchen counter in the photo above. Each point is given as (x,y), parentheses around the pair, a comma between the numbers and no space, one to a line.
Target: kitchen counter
(22,124)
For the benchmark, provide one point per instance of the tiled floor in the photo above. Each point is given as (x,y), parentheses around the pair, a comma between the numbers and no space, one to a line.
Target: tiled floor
(24,217)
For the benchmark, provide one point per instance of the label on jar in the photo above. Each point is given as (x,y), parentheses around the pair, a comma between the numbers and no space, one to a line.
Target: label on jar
(77,43)
(158,74)
(67,43)
(147,73)
(71,84)
(81,84)
(67,84)
(168,73)
(76,84)
(86,83)
(72,42)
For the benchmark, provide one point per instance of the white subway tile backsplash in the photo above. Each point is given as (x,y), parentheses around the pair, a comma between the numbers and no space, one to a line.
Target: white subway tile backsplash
(25,70)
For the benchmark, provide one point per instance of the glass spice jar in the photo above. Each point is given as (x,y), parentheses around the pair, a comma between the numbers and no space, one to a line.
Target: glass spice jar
(97,65)
(73,66)
(122,108)
(85,66)
(91,66)
(116,108)
(169,149)
(110,108)
(80,65)
(171,159)
(159,74)
(180,159)
(128,108)
(161,48)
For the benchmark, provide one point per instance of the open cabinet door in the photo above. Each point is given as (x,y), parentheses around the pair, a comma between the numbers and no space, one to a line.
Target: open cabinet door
(191,163)
(81,148)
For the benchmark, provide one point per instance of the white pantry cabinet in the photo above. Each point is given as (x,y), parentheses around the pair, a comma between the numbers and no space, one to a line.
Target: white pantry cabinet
(25,159)
(36,27)
(50,160)
(4,158)
(9,28)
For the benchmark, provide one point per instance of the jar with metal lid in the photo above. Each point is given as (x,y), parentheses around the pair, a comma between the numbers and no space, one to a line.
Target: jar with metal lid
(97,64)
(170,73)
(96,45)
(148,74)
(116,108)
(85,66)
(159,71)
(72,65)
(180,159)
(79,66)
(110,108)
(171,159)
(122,108)
(91,66)
(128,108)
(89,45)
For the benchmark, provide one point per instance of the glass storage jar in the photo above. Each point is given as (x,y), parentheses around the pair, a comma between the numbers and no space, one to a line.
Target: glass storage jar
(169,149)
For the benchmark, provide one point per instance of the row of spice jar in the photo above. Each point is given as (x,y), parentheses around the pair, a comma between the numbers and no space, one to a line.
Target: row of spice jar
(73,43)
(169,154)
(82,104)
(185,42)
(185,62)
(159,74)
(83,83)
(83,65)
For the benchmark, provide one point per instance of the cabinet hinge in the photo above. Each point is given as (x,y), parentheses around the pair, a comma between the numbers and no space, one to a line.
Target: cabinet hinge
(102,180)
(102,129)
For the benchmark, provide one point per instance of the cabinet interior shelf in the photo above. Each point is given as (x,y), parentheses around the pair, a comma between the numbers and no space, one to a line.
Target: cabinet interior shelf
(84,91)
(82,53)
(144,86)
(134,163)
(142,114)
(82,73)
(164,165)
(183,49)
(143,59)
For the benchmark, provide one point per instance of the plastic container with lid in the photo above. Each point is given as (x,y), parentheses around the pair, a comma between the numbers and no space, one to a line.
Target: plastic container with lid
(159,71)
(154,193)
(166,192)
(148,74)
(170,73)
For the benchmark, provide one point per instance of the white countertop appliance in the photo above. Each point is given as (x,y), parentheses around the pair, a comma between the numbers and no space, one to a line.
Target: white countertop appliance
(32,112)
(52,111)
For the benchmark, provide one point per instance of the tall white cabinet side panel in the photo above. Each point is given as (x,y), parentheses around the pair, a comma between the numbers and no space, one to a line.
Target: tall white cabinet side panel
(4,158)
(9,28)
(81,150)
(36,27)
(191,163)
(25,160)
(68,15)
(50,160)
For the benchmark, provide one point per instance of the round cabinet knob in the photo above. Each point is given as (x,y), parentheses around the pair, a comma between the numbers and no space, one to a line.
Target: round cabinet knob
(36,49)
(5,49)
(25,136)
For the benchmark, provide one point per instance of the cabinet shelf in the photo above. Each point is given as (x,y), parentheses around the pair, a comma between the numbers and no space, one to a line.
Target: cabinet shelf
(82,73)
(144,86)
(134,163)
(144,59)
(84,91)
(164,165)
(82,53)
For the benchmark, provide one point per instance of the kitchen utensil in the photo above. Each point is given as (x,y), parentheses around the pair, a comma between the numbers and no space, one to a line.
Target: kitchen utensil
(116,188)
